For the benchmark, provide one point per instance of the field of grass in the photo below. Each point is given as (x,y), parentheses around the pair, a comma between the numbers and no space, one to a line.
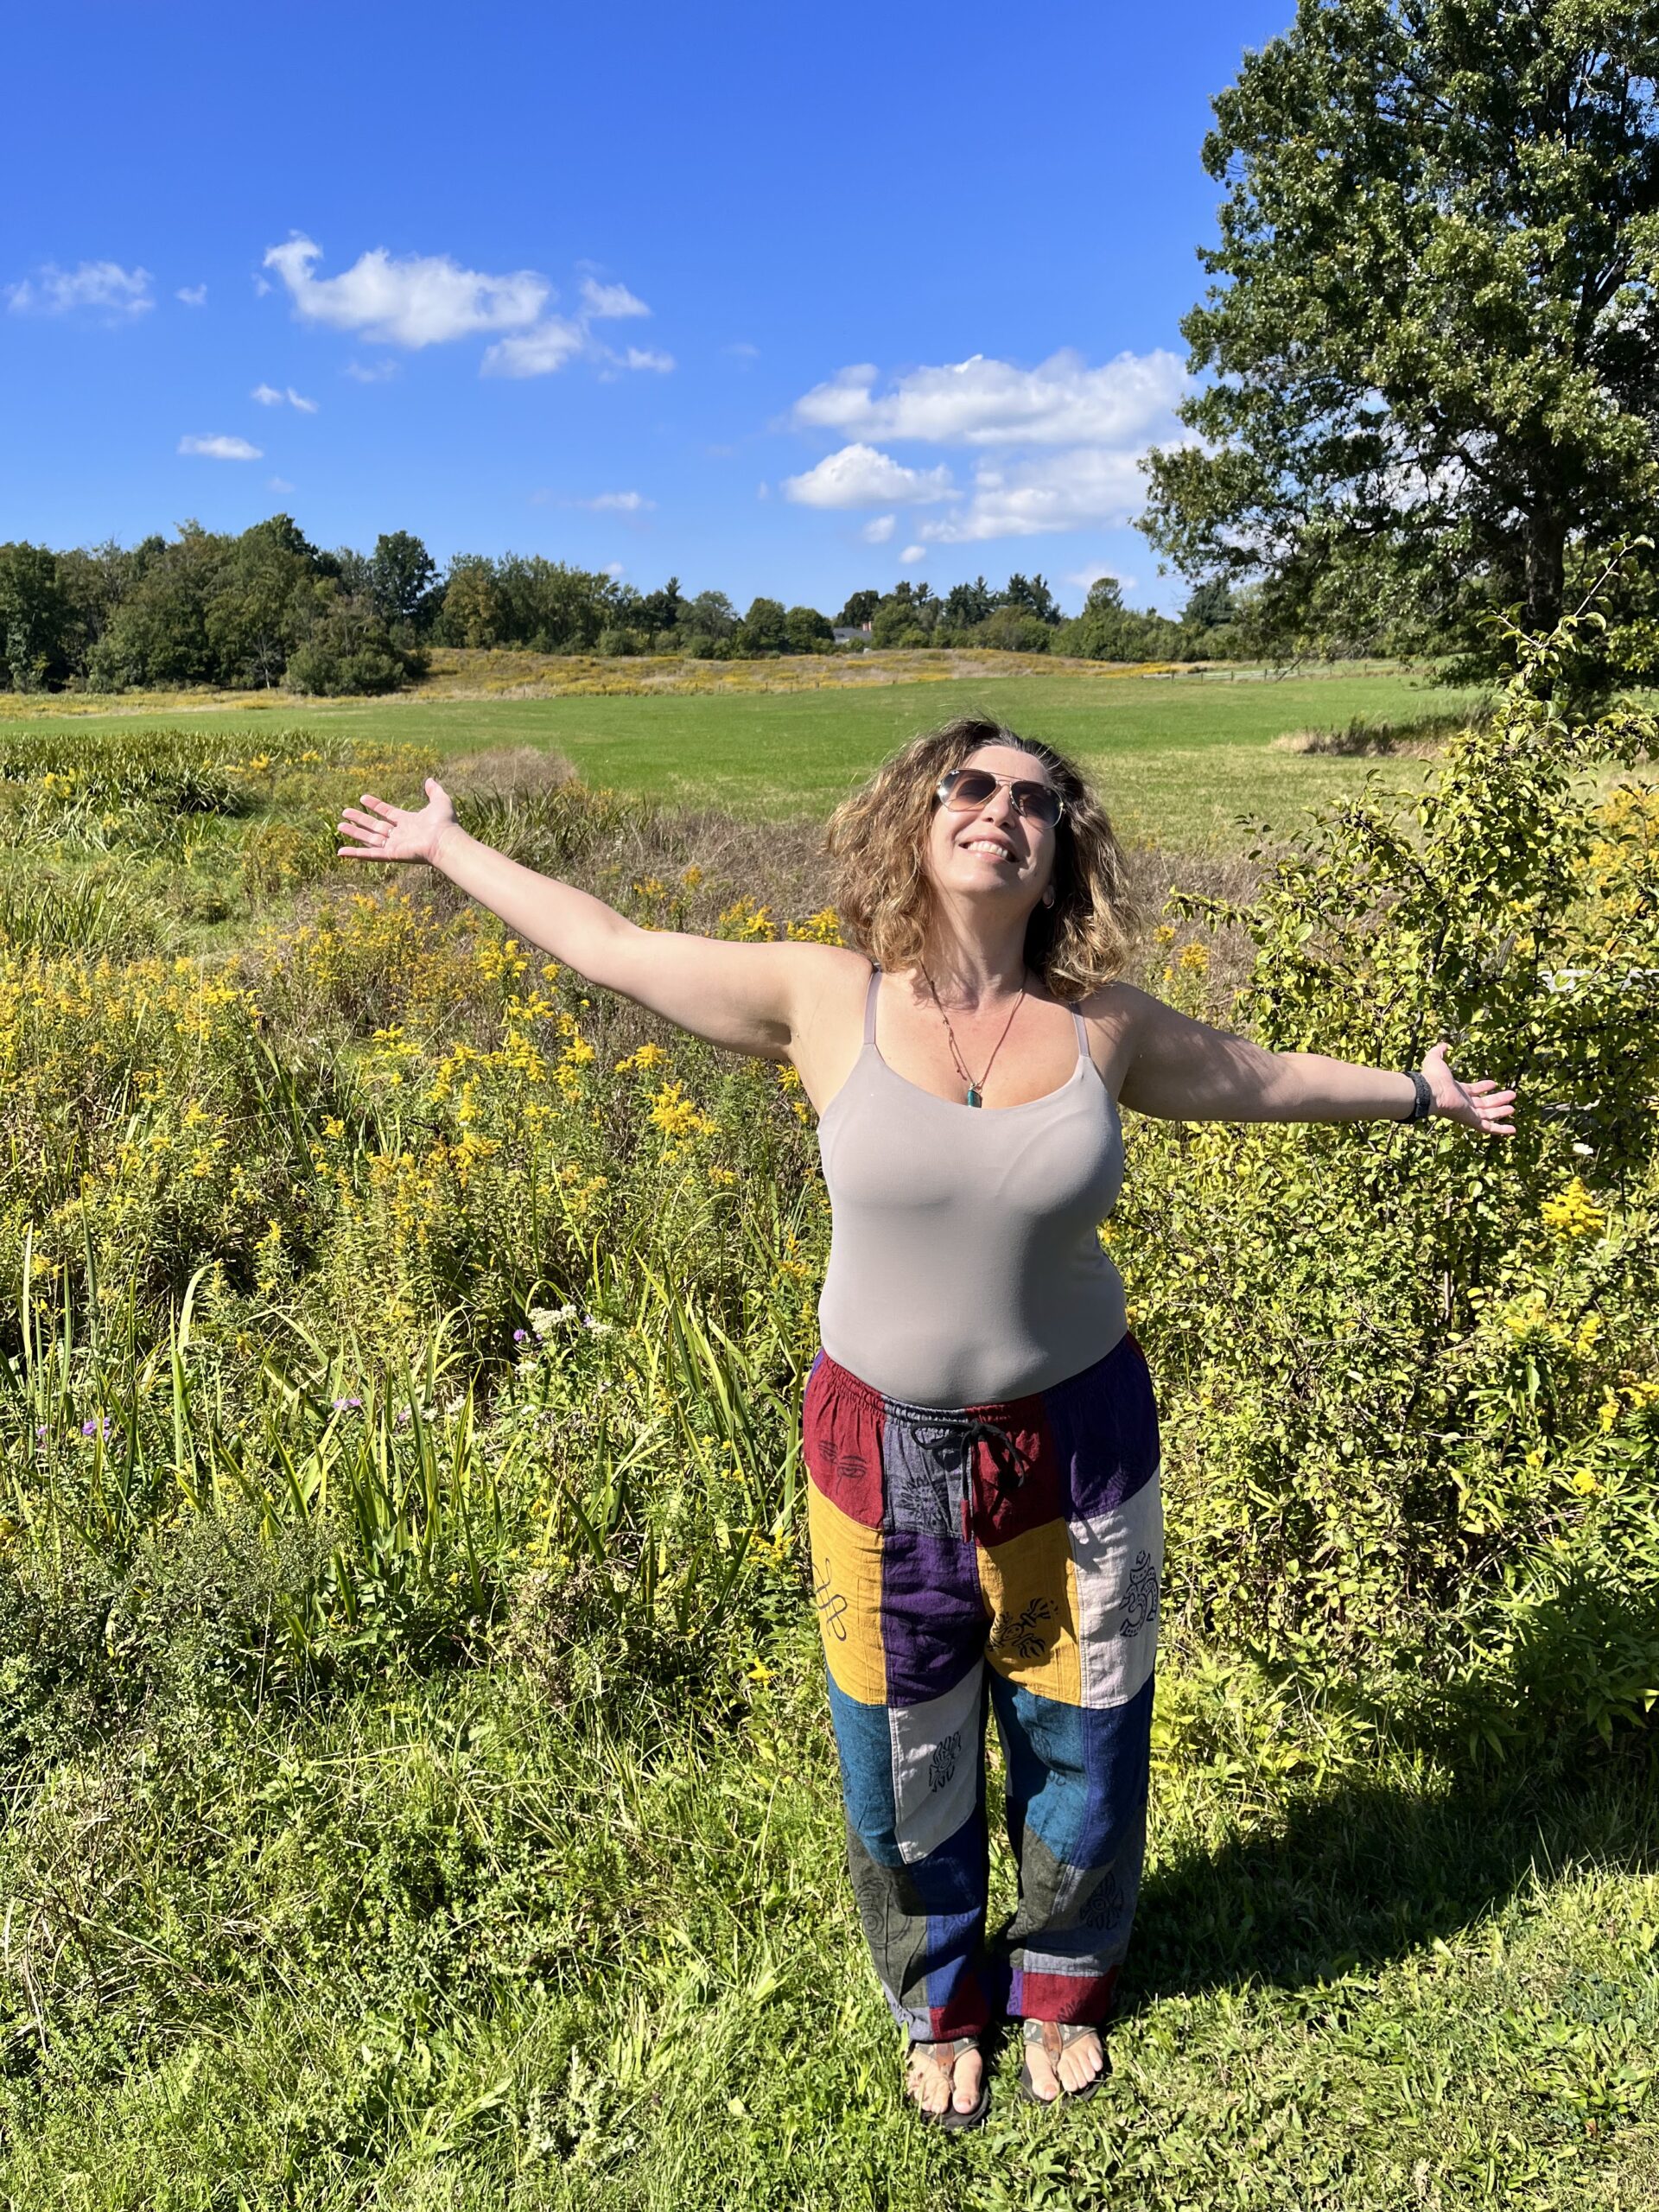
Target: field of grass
(420,1788)
(1178,760)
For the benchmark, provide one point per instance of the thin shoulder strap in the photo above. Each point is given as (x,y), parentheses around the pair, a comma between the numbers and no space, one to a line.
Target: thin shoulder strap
(1083,1035)
(869,1005)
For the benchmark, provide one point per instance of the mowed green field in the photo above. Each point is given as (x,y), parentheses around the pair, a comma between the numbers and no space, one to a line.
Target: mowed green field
(1179,761)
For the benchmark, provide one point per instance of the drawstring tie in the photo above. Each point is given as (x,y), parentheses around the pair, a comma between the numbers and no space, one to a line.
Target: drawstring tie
(1011,1463)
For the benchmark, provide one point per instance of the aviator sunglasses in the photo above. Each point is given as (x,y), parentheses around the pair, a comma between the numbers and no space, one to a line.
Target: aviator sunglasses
(963,789)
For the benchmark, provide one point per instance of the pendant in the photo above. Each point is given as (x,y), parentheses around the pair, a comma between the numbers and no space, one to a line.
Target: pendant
(974,1098)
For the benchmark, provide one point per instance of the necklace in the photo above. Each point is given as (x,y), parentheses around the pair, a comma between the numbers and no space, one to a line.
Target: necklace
(976,1091)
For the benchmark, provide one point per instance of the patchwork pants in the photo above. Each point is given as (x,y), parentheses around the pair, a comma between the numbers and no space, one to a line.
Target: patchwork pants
(1005,1557)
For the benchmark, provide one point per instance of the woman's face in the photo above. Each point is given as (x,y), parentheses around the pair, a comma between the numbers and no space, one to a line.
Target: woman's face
(993,852)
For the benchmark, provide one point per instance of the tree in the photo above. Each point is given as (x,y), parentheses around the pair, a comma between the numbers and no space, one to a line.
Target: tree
(967,605)
(860,609)
(1436,352)
(806,630)
(1032,595)
(401,573)
(764,628)
(710,616)
(35,618)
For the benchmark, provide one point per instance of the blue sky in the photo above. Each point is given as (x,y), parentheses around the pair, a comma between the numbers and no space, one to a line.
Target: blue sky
(772,299)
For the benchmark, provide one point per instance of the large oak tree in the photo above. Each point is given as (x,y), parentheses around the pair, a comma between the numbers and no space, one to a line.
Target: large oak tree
(1433,356)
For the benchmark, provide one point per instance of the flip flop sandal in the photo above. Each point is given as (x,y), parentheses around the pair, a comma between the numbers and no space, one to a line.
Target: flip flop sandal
(1056,2037)
(945,2055)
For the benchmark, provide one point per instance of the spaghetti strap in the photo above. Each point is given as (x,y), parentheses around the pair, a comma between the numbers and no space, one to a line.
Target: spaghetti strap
(1083,1035)
(869,1005)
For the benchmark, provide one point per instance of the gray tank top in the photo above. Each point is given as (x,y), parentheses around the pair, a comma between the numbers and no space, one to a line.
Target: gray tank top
(963,1262)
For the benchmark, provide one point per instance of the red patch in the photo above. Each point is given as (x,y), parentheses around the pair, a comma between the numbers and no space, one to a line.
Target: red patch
(841,1441)
(1017,1485)
(966,2012)
(1085,2000)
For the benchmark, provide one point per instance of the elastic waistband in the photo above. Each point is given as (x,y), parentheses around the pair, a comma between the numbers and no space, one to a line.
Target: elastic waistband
(981,1409)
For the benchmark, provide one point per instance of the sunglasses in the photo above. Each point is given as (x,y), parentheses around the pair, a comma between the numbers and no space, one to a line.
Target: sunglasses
(963,789)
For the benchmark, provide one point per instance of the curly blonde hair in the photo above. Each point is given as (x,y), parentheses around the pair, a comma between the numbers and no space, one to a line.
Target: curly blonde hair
(883,898)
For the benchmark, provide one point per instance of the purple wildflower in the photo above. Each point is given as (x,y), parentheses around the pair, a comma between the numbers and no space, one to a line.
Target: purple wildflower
(403,1417)
(521,1336)
(340,1404)
(99,1425)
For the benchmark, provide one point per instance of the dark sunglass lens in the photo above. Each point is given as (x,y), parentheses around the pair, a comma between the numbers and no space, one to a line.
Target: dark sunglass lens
(1040,800)
(969,787)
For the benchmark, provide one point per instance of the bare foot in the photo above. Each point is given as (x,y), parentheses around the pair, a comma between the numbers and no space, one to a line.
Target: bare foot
(1076,2066)
(931,2084)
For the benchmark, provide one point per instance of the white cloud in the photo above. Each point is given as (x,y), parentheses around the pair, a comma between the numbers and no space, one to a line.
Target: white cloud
(605,301)
(1091,487)
(621,503)
(912,554)
(859,476)
(535,353)
(641,357)
(268,396)
(981,402)
(878,529)
(277,484)
(90,284)
(193,295)
(371,371)
(419,300)
(740,349)
(222,449)
(614,568)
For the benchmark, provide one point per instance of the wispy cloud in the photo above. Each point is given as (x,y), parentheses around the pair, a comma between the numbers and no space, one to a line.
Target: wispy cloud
(193,295)
(878,529)
(415,301)
(536,352)
(220,448)
(646,357)
(860,476)
(120,293)
(269,396)
(1090,488)
(981,402)
(912,557)
(605,302)
(620,503)
(380,371)
(277,484)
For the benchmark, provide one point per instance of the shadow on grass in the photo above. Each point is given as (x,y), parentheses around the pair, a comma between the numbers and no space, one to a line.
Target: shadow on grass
(1372,1872)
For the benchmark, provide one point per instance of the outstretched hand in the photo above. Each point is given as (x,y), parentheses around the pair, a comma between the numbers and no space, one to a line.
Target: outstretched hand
(1480,1105)
(397,833)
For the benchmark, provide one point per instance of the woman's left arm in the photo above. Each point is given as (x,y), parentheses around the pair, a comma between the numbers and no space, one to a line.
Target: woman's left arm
(1183,1070)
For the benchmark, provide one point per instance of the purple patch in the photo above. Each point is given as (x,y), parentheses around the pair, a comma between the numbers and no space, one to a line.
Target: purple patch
(933,1617)
(1105,1427)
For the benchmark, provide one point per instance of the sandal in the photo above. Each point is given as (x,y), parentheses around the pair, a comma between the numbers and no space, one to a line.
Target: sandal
(945,2055)
(1057,2036)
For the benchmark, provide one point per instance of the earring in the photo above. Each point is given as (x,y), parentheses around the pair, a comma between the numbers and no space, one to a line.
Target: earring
(1048,896)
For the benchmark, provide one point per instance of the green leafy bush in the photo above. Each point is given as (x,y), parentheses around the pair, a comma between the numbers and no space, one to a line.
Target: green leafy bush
(1410,1373)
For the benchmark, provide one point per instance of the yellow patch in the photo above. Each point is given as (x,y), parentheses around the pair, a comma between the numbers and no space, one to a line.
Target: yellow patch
(847,1590)
(1031,1586)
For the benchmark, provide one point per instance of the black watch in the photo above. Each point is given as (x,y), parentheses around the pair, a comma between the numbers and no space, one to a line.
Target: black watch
(1423,1102)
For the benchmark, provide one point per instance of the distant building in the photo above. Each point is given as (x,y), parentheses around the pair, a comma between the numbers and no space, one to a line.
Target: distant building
(851,636)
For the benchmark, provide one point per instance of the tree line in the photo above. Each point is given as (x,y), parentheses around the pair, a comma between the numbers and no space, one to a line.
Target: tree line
(267,607)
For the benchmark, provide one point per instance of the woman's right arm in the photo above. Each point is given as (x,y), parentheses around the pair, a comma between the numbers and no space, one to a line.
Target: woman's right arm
(748,998)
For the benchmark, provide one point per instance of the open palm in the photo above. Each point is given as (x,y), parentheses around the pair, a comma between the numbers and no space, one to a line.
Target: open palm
(1479,1105)
(397,833)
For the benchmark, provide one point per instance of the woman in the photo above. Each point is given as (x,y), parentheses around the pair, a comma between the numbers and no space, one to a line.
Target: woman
(981,1435)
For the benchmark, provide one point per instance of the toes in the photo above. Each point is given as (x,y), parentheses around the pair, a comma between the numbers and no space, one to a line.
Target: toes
(1081,2063)
(968,2074)
(1043,2078)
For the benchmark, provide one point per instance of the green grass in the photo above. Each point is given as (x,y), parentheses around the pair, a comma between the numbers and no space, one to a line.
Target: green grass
(448,1948)
(1180,760)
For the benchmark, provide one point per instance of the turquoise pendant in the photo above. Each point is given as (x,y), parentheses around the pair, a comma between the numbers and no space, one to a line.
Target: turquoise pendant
(974,1098)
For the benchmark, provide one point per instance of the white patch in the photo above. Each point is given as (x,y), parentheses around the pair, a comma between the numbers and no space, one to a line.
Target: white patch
(1119,1562)
(936,1765)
